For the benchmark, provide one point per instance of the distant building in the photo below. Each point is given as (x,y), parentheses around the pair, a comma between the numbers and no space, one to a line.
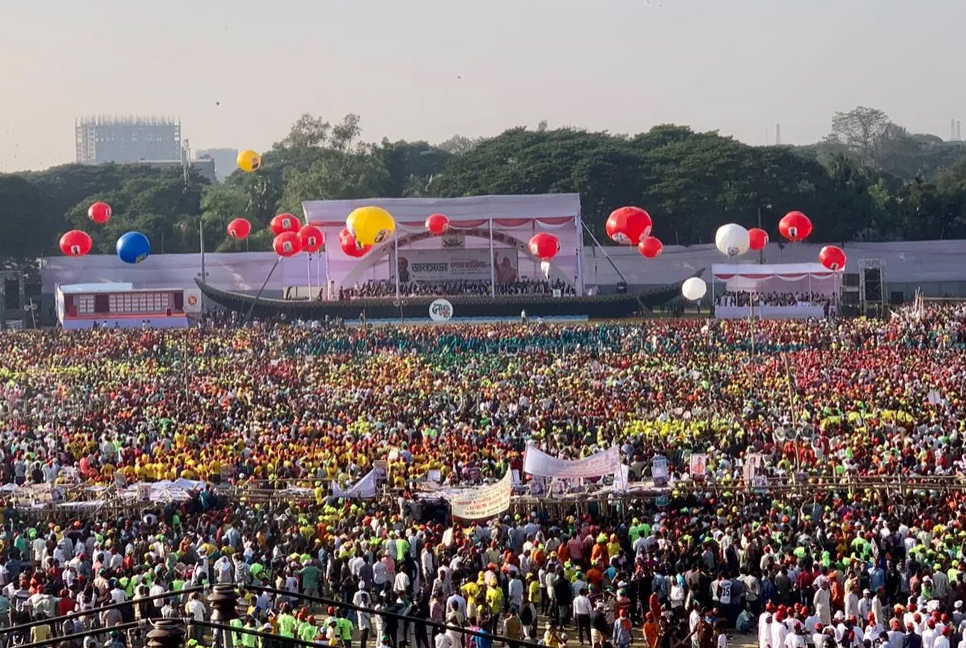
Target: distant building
(127,139)
(225,160)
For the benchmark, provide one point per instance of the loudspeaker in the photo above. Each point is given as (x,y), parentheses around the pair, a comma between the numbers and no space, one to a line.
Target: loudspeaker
(873,284)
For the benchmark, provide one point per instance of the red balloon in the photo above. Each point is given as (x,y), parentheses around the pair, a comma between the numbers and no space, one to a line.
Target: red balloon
(75,243)
(285,223)
(544,246)
(287,244)
(311,238)
(758,238)
(239,229)
(650,247)
(628,225)
(437,224)
(349,245)
(832,257)
(99,212)
(795,226)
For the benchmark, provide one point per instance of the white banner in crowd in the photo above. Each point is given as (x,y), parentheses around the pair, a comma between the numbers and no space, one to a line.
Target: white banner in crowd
(479,503)
(364,488)
(605,462)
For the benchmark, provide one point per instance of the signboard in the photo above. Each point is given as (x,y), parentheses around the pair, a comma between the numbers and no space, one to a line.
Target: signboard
(441,310)
(605,462)
(363,489)
(659,470)
(381,468)
(457,264)
(698,466)
(750,470)
(484,502)
(144,492)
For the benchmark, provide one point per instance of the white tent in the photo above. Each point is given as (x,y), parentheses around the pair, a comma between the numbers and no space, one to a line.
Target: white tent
(777,277)
(798,279)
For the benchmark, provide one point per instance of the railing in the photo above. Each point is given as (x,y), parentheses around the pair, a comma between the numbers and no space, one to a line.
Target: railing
(223,599)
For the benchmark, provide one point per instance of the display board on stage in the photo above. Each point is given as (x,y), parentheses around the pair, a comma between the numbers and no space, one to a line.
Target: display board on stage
(450,264)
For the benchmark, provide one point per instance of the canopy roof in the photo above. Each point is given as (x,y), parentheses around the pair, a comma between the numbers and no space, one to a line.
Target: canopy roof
(726,271)
(548,210)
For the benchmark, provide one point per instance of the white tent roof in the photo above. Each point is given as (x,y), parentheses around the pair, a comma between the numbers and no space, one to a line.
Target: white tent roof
(755,271)
(465,212)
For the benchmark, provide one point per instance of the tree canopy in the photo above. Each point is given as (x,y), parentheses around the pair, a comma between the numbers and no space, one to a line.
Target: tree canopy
(868,180)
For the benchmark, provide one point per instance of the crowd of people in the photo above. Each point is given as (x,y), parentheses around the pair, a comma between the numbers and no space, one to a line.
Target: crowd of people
(386,288)
(744,298)
(867,550)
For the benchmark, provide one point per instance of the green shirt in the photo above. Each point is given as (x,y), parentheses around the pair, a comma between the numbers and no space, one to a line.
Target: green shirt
(286,625)
(310,577)
(345,626)
(249,641)
(308,632)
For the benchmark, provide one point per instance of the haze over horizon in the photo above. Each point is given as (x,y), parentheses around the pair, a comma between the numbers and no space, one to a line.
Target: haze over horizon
(238,74)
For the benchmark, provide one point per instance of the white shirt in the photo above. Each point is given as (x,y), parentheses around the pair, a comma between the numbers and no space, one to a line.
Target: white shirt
(401,584)
(582,605)
(196,609)
(443,641)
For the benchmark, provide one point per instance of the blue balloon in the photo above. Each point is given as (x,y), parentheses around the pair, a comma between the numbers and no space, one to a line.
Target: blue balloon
(133,247)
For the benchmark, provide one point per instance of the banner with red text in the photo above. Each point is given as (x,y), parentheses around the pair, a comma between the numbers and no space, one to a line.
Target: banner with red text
(484,502)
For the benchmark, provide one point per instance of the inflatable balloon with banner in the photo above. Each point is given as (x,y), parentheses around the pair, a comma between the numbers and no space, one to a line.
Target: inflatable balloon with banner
(249,161)
(732,240)
(370,225)
(100,212)
(287,244)
(437,224)
(544,246)
(133,247)
(757,239)
(694,288)
(239,229)
(349,245)
(795,226)
(628,225)
(76,243)
(832,257)
(285,223)
(650,247)
(311,238)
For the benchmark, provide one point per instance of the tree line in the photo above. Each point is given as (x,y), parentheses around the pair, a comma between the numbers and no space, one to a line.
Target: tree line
(868,180)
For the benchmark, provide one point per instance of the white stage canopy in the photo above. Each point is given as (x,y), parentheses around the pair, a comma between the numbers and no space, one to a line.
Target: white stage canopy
(497,226)
(777,278)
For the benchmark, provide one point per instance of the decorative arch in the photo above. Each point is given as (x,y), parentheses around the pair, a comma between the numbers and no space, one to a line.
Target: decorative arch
(385,250)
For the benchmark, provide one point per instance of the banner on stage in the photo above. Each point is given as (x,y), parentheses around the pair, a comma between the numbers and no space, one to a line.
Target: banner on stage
(605,462)
(364,488)
(484,502)
(457,264)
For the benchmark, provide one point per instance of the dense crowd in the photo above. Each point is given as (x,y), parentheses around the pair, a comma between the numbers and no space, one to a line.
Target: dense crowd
(385,288)
(868,409)
(744,298)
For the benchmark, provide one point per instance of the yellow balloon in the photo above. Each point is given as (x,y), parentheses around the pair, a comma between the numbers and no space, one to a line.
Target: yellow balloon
(370,225)
(249,161)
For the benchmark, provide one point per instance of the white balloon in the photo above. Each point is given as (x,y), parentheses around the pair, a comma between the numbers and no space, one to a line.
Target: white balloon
(694,288)
(732,240)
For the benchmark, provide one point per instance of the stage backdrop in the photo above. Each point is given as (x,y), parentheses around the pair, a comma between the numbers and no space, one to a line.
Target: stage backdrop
(456,265)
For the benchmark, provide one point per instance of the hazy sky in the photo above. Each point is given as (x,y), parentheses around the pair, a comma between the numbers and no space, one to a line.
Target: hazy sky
(428,69)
